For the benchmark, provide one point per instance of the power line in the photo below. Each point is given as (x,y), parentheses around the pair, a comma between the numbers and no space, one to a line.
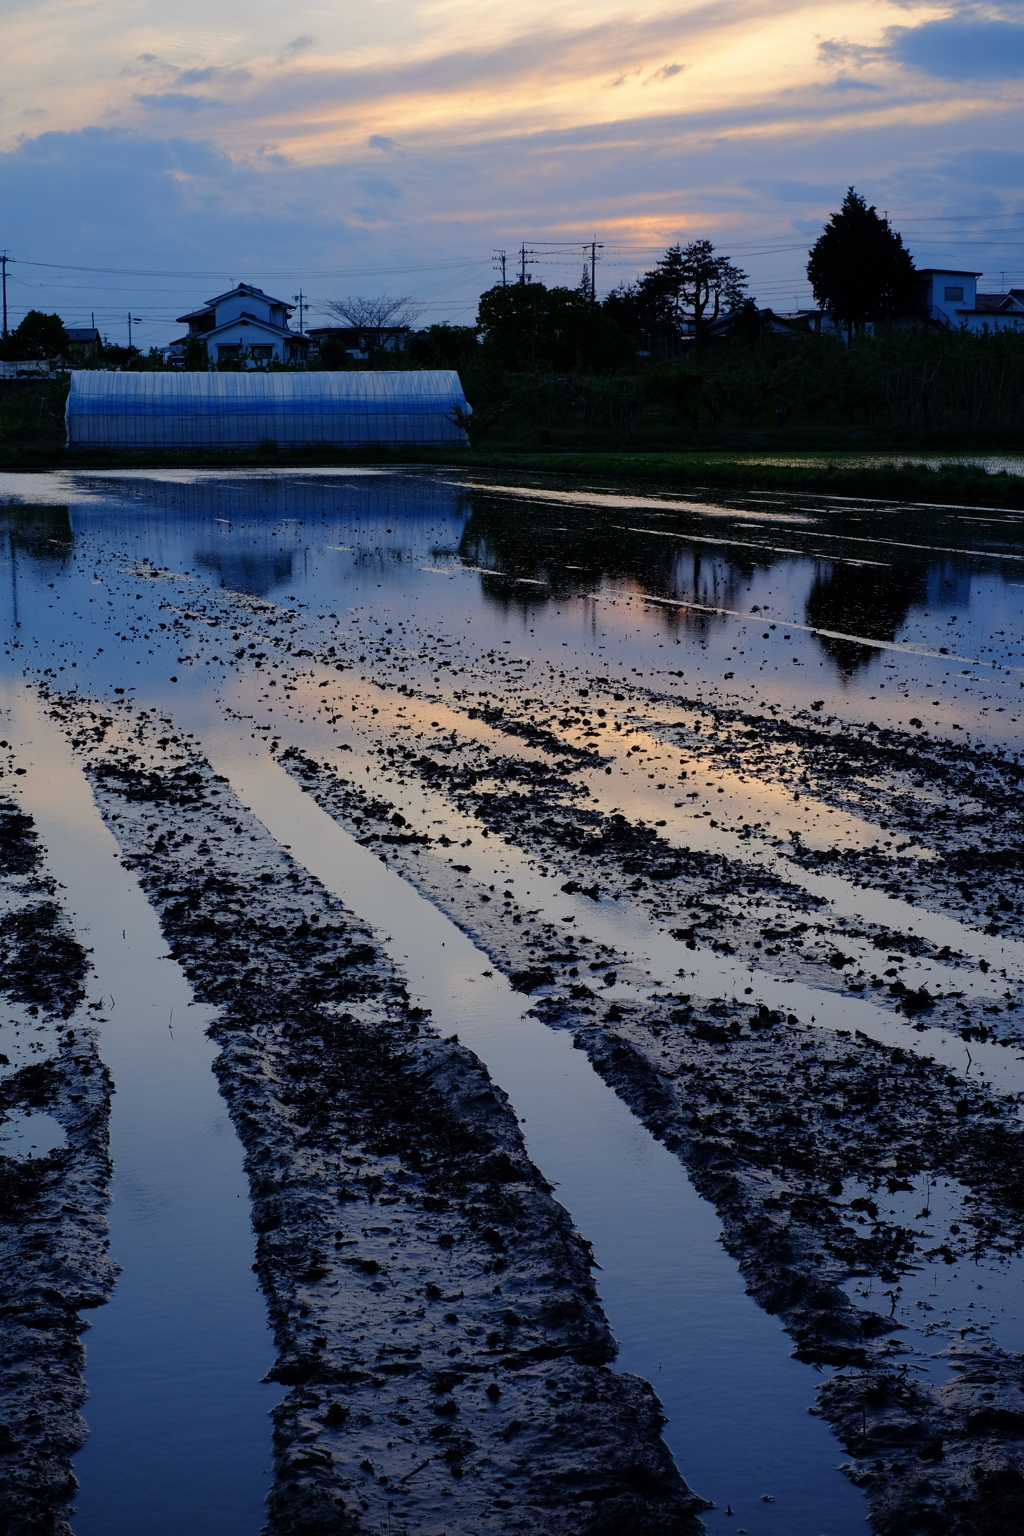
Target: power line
(306,272)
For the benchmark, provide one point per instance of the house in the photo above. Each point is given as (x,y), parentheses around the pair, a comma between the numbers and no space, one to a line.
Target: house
(951,298)
(243,325)
(799,322)
(84,336)
(357,341)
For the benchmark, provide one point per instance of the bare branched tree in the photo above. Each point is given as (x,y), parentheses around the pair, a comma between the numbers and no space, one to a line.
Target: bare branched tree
(375,314)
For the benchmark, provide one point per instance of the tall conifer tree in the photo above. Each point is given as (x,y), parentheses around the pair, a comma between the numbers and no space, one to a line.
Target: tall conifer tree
(859,268)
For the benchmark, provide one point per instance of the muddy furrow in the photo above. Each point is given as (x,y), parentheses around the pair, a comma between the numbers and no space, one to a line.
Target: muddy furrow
(797,1133)
(54,1173)
(436,1322)
(778,892)
(960,801)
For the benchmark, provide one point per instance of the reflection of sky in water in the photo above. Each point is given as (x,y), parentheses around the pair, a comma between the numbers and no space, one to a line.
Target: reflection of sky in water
(955,1299)
(30,1135)
(100,568)
(570,583)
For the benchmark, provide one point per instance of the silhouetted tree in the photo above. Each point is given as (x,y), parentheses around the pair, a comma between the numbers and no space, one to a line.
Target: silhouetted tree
(859,268)
(196,357)
(526,325)
(442,346)
(376,319)
(690,286)
(38,335)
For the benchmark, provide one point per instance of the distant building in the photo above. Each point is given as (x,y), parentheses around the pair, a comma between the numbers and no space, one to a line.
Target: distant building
(84,336)
(26,368)
(798,322)
(243,325)
(952,299)
(357,341)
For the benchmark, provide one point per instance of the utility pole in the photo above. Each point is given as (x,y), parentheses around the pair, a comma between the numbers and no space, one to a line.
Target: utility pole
(524,252)
(4,259)
(300,299)
(595,246)
(131,322)
(501,261)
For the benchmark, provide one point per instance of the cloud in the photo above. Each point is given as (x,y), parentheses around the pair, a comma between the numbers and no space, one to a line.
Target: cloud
(961,48)
(152,66)
(787,190)
(195,76)
(296,46)
(518,73)
(666,72)
(508,131)
(851,83)
(177,101)
(376,186)
(839,50)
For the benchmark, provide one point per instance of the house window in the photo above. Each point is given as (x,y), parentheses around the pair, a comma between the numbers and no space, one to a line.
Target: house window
(954,295)
(262,354)
(227,354)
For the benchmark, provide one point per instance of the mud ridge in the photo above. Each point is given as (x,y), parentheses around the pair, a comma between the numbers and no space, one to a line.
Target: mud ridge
(436,1322)
(54,1176)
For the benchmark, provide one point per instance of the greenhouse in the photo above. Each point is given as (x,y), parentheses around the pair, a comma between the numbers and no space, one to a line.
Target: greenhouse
(250,409)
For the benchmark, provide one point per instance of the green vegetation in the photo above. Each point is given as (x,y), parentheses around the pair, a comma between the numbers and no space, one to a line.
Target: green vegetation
(898,388)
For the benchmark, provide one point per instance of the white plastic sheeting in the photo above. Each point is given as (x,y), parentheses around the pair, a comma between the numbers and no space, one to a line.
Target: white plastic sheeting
(243,410)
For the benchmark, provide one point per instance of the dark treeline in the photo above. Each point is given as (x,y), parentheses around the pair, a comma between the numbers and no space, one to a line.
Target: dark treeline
(680,358)
(574,377)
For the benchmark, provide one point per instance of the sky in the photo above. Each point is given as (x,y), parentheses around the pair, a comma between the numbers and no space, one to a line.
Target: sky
(151,155)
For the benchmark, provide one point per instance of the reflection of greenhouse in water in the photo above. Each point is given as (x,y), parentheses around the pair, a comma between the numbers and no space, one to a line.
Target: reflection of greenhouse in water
(253,529)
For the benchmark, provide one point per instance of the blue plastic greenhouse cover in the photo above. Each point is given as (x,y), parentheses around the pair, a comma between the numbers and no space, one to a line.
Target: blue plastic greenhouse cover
(243,410)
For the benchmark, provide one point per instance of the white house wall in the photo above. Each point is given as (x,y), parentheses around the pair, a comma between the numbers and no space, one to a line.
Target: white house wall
(244,333)
(243,410)
(989,320)
(950,311)
(238,304)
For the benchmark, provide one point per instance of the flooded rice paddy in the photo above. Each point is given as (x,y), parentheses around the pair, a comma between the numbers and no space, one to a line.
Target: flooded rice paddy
(511,1008)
